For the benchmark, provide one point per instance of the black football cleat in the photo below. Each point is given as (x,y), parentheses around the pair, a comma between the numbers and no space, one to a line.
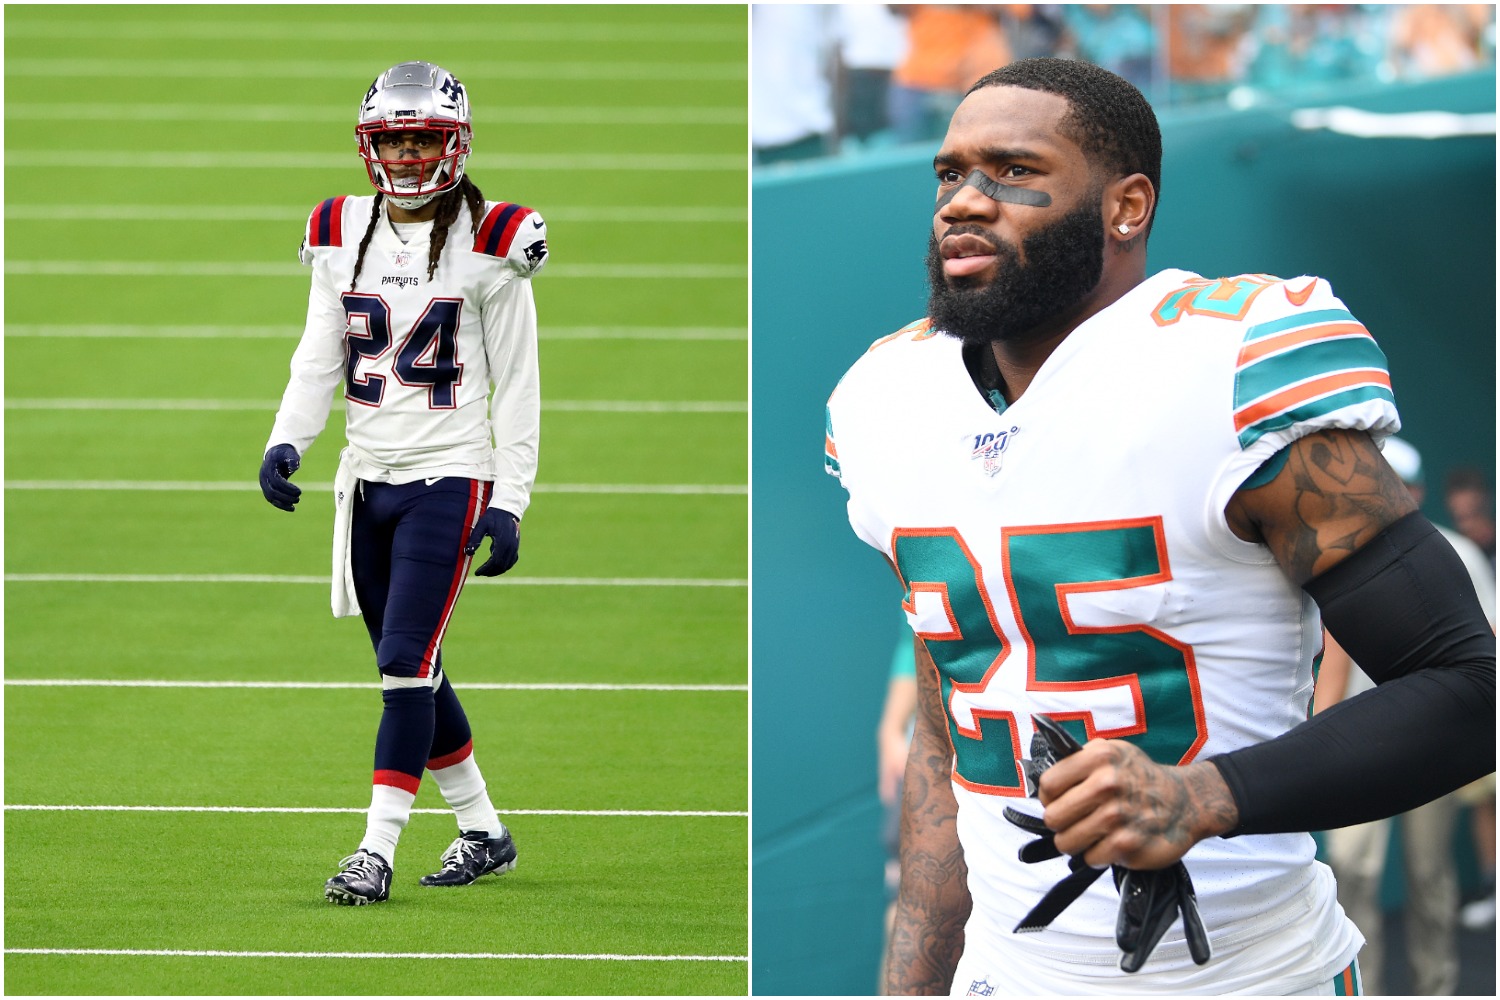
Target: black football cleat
(473,855)
(366,878)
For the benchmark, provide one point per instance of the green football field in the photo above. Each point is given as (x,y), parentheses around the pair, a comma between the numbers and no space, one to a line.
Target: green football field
(188,731)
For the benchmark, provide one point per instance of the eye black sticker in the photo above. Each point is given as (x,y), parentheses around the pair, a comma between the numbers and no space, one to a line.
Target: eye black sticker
(999,192)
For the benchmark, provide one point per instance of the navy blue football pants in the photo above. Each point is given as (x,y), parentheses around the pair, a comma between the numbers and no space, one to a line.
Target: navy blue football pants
(407,547)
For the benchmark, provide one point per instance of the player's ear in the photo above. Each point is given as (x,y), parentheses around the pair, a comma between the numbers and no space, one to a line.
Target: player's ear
(1129,201)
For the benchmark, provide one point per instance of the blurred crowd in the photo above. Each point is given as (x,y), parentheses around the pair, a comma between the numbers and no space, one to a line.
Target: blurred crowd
(828,78)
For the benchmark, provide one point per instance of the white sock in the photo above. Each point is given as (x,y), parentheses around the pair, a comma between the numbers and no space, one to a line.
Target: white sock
(463,789)
(390,808)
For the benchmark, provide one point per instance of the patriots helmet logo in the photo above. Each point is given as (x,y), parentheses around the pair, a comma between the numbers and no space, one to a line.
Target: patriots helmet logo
(536,253)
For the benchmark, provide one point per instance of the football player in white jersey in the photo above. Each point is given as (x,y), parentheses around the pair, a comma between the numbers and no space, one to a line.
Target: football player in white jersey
(422,306)
(1118,506)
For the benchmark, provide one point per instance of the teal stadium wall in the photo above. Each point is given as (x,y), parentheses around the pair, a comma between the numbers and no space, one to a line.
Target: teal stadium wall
(1404,230)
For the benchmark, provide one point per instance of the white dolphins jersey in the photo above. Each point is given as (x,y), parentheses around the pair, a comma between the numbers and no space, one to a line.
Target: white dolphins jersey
(440,377)
(1069,555)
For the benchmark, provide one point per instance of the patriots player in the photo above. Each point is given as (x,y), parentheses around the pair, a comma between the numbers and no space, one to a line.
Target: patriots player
(1118,506)
(422,306)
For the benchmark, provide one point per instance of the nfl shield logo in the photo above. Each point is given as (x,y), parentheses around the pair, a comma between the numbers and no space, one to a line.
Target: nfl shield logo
(401,258)
(989,448)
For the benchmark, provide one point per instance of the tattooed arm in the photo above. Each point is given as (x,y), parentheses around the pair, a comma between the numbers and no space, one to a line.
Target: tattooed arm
(1418,632)
(1333,494)
(1110,802)
(928,935)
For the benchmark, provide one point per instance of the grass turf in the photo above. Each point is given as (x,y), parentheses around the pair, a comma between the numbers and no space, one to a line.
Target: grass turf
(580,112)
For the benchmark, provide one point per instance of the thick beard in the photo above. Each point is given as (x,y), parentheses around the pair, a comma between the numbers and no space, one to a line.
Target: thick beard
(1064,264)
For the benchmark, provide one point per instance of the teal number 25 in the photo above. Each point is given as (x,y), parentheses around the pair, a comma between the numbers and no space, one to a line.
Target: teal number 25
(1041,567)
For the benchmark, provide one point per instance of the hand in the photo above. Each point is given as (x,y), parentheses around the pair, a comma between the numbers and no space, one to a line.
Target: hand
(1150,900)
(1112,805)
(504,530)
(281,461)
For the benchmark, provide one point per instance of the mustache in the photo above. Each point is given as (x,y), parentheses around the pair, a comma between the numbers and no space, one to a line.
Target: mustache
(970,229)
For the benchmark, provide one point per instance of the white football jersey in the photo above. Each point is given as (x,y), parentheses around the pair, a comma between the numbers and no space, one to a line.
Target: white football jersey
(440,376)
(1069,555)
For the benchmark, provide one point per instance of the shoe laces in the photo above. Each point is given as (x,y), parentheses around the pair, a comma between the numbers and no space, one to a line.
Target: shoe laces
(362,864)
(459,853)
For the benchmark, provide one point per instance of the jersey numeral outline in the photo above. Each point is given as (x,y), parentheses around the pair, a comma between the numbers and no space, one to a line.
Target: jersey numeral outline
(1042,567)
(1221,298)
(428,355)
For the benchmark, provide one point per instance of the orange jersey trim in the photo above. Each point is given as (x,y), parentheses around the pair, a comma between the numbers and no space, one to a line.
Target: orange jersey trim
(1288,398)
(1257,349)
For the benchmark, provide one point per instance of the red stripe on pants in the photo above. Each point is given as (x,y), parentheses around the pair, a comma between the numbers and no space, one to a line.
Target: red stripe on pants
(479,496)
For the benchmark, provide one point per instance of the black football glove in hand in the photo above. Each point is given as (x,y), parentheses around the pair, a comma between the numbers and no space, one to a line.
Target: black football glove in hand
(1149,900)
(504,530)
(281,461)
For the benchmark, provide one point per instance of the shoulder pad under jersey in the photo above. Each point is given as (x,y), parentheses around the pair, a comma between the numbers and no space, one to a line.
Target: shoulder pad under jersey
(515,234)
(325,228)
(1305,361)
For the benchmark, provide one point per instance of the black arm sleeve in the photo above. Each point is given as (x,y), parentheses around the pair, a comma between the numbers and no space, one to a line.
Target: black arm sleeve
(1404,608)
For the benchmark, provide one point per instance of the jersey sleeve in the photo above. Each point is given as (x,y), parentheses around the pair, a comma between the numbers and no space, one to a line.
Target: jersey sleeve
(515,234)
(325,228)
(318,362)
(1313,367)
(1302,364)
(510,344)
(830,448)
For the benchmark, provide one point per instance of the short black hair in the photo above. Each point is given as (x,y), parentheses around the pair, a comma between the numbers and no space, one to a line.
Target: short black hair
(1109,118)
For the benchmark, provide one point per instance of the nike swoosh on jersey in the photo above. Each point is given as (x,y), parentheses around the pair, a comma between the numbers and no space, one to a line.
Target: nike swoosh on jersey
(1300,298)
(429,482)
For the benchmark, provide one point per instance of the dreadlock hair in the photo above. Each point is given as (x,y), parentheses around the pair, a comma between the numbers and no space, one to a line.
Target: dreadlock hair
(1107,116)
(464,192)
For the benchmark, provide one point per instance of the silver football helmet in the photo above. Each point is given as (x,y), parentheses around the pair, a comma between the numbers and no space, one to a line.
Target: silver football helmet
(415,97)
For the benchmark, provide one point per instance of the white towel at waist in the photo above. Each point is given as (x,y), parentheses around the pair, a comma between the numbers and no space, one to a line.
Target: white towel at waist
(345,602)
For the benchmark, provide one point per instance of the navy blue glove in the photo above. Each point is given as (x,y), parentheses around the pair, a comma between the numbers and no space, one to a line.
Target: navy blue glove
(504,530)
(281,461)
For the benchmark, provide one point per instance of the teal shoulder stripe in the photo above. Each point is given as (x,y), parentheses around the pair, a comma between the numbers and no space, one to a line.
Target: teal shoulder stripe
(1320,357)
(1296,320)
(1313,409)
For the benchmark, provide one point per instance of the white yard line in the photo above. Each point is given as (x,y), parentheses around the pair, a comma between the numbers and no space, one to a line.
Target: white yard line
(499,581)
(351,810)
(166,486)
(291,333)
(265,269)
(269,406)
(332,69)
(300,213)
(491,955)
(270,29)
(103,159)
(299,113)
(349,685)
